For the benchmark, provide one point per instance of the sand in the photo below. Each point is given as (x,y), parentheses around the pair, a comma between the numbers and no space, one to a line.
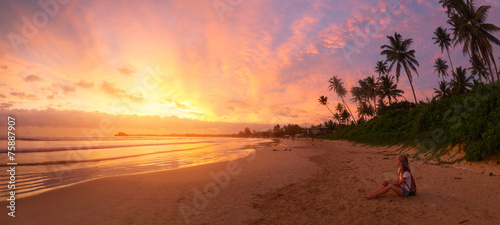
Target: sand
(320,182)
(447,194)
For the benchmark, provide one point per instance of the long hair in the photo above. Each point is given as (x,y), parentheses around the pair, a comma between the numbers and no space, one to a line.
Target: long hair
(404,163)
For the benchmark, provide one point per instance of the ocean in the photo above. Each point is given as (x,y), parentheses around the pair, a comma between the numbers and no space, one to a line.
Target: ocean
(45,163)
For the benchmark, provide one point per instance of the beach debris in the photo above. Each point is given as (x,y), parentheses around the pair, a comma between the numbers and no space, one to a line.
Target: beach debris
(286,149)
(465,221)
(491,174)
(290,150)
(275,150)
(458,178)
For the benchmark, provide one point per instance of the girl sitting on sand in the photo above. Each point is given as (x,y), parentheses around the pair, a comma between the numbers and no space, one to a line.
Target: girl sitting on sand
(402,186)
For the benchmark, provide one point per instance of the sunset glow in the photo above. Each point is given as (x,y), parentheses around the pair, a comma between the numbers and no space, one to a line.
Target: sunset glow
(263,62)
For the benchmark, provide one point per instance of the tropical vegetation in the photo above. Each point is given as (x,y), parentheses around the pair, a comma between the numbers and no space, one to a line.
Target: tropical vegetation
(464,110)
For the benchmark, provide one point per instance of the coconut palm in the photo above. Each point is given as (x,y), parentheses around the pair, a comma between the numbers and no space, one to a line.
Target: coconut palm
(448,4)
(358,95)
(461,83)
(441,67)
(337,85)
(365,109)
(330,124)
(337,117)
(339,107)
(323,100)
(345,115)
(470,29)
(366,91)
(371,89)
(381,68)
(477,68)
(398,53)
(443,91)
(444,41)
(381,103)
(388,89)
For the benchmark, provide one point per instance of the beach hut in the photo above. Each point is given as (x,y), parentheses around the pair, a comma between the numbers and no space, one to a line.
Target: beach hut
(320,130)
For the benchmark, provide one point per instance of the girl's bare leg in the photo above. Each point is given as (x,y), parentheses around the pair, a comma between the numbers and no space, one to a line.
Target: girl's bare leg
(384,184)
(385,189)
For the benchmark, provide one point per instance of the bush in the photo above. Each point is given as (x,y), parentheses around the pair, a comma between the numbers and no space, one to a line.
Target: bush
(471,120)
(405,105)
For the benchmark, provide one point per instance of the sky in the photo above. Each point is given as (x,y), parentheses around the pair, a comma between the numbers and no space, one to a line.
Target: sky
(68,67)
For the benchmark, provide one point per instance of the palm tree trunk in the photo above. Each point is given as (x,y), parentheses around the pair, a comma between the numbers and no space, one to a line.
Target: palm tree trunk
(452,69)
(375,103)
(494,63)
(478,74)
(354,119)
(330,111)
(491,72)
(486,59)
(414,96)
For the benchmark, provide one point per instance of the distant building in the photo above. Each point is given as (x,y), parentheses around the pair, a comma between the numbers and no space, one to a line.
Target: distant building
(320,130)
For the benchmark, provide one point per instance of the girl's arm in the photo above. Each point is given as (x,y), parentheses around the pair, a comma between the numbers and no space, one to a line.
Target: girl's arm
(400,181)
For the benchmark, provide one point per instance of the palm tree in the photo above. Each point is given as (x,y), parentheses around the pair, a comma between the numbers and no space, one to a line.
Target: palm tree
(398,54)
(365,109)
(470,29)
(449,5)
(330,125)
(381,103)
(337,117)
(444,40)
(357,93)
(337,85)
(366,91)
(389,89)
(443,91)
(477,68)
(381,68)
(323,100)
(339,107)
(345,115)
(371,89)
(440,67)
(460,83)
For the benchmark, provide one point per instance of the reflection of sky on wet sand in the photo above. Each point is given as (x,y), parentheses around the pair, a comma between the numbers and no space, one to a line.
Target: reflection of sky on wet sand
(96,163)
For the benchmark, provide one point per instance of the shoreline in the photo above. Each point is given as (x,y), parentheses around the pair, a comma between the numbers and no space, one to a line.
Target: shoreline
(23,195)
(43,190)
(317,182)
(162,192)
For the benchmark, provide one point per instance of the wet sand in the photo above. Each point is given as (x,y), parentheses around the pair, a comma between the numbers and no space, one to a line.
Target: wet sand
(320,182)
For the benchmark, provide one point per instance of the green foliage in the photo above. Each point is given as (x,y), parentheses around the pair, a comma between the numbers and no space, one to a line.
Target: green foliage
(406,105)
(471,120)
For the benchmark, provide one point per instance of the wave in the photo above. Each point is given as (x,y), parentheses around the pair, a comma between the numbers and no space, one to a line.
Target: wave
(100,147)
(61,162)
(94,138)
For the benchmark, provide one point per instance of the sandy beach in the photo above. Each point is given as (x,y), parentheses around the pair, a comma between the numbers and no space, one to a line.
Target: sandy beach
(320,182)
